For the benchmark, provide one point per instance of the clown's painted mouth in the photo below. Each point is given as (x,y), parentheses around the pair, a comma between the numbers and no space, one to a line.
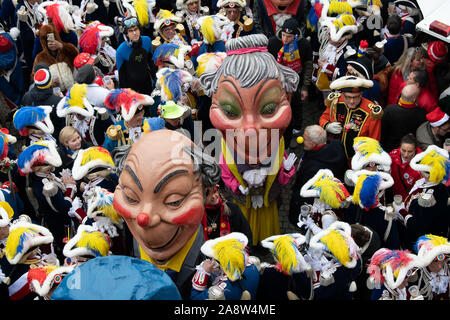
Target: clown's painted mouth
(169,242)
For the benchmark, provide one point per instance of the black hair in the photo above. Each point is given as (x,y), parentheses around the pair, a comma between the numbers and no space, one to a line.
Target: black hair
(421,77)
(409,139)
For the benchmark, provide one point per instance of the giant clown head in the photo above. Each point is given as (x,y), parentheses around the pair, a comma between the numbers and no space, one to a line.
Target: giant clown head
(250,95)
(160,193)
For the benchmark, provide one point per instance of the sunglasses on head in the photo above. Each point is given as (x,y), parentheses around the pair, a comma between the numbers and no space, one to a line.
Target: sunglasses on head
(130,22)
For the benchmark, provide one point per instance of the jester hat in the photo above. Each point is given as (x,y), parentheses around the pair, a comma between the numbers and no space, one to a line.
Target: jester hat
(326,187)
(37,154)
(430,247)
(100,202)
(369,150)
(5,139)
(23,238)
(337,241)
(165,18)
(171,53)
(42,279)
(91,38)
(6,213)
(433,161)
(285,250)
(37,117)
(126,101)
(90,159)
(89,242)
(391,267)
(368,184)
(171,82)
(75,101)
(230,252)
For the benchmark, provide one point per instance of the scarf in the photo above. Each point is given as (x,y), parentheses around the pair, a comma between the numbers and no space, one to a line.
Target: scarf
(289,56)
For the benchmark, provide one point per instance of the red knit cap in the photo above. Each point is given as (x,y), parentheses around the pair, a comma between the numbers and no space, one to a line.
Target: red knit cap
(5,44)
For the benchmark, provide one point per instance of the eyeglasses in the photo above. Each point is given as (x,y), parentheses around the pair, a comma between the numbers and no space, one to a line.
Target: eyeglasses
(130,22)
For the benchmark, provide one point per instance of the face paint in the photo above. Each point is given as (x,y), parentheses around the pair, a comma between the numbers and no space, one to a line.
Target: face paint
(190,216)
(164,210)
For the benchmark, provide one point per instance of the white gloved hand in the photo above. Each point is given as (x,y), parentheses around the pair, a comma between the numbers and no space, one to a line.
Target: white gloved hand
(289,162)
(334,128)
(243,190)
(105,225)
(257,201)
(76,204)
(397,209)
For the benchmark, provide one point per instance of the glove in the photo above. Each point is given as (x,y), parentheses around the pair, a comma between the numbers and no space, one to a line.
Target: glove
(334,128)
(397,209)
(243,190)
(257,201)
(289,162)
(105,225)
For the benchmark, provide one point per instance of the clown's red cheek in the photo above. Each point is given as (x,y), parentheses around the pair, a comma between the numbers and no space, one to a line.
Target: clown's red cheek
(121,210)
(191,216)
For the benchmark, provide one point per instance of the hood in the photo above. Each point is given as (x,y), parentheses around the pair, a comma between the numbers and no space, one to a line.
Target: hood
(42,34)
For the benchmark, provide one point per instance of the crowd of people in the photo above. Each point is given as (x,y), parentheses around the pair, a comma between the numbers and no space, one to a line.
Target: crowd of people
(97,98)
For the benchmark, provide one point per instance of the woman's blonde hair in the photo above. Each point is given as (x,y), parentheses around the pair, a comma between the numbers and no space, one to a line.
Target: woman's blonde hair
(66,133)
(404,62)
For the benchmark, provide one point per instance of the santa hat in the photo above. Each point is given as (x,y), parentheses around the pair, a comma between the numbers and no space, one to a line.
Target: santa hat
(326,187)
(437,117)
(42,279)
(430,247)
(367,151)
(285,250)
(337,241)
(88,241)
(82,59)
(38,117)
(127,101)
(100,203)
(391,267)
(230,252)
(75,102)
(434,161)
(23,238)
(437,51)
(37,154)
(43,78)
(91,158)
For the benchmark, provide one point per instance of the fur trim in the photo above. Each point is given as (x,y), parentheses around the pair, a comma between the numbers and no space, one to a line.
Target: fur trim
(20,241)
(71,249)
(416,165)
(350,82)
(207,247)
(71,102)
(44,288)
(93,157)
(369,150)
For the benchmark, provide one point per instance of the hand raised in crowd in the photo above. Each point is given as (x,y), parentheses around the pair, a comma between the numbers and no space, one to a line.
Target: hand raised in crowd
(54,45)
